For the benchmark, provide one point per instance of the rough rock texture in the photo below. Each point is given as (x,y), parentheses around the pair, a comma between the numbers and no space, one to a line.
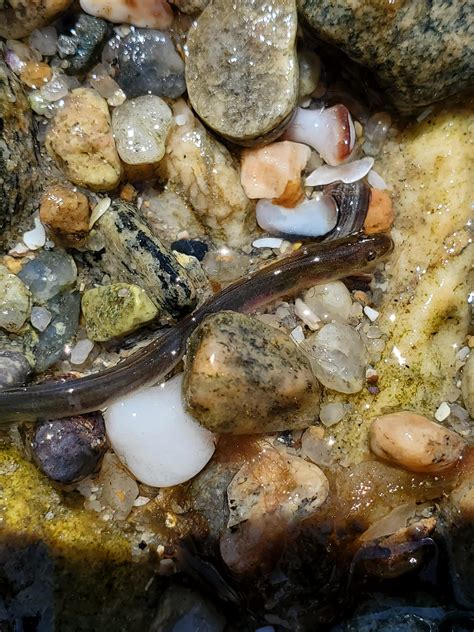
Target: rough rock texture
(134,255)
(421,51)
(19,175)
(80,140)
(18,18)
(243,376)
(204,172)
(66,213)
(242,77)
(467,384)
(88,36)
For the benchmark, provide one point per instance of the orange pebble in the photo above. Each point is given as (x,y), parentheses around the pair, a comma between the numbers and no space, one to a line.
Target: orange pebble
(380,212)
(35,74)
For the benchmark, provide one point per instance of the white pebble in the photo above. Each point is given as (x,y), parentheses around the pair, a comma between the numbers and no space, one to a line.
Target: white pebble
(307,315)
(44,40)
(348,172)
(99,209)
(297,334)
(371,313)
(442,412)
(331,414)
(80,352)
(141,501)
(376,180)
(18,249)
(40,318)
(267,242)
(463,353)
(155,438)
(35,238)
(330,302)
(311,218)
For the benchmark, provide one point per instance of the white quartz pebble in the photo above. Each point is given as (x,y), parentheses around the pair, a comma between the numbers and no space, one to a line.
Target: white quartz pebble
(330,302)
(312,218)
(155,438)
(152,14)
(36,237)
(348,172)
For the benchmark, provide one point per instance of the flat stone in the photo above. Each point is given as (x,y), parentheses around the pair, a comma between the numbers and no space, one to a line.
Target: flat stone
(81,142)
(420,53)
(82,47)
(15,301)
(115,310)
(134,255)
(242,77)
(51,345)
(140,129)
(242,376)
(149,64)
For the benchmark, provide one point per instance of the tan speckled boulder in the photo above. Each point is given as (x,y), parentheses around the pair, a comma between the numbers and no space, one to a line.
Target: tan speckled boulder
(243,376)
(81,142)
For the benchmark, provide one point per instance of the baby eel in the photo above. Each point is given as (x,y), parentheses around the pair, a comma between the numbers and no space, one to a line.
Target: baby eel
(312,264)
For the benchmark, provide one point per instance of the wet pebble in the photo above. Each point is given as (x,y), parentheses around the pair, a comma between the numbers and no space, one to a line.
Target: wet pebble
(380,214)
(81,142)
(15,301)
(66,213)
(338,357)
(467,384)
(309,72)
(48,274)
(81,48)
(140,128)
(231,72)
(191,247)
(14,369)
(65,309)
(115,310)
(155,438)
(313,217)
(153,14)
(330,302)
(117,489)
(267,171)
(414,442)
(242,376)
(149,64)
(69,449)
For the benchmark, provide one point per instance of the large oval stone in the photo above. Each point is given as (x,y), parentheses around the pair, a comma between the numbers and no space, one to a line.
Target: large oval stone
(242,70)
(242,376)
(420,52)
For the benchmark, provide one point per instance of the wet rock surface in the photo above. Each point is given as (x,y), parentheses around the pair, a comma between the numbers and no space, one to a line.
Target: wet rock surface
(19,175)
(68,450)
(82,47)
(149,64)
(467,384)
(19,18)
(243,376)
(81,142)
(206,174)
(249,60)
(14,369)
(405,45)
(184,609)
(15,301)
(134,255)
(66,213)
(48,274)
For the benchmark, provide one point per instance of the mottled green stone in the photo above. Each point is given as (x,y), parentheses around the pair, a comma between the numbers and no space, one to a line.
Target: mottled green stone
(115,310)
(15,301)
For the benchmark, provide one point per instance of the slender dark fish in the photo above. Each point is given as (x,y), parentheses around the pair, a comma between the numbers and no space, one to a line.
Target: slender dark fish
(312,264)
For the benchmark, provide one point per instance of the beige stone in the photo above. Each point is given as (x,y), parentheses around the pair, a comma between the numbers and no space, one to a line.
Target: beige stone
(81,142)
(19,18)
(66,213)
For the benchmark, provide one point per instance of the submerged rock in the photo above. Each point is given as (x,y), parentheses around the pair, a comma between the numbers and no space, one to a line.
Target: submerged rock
(81,142)
(134,255)
(405,45)
(149,64)
(14,369)
(15,301)
(48,274)
(184,609)
(242,77)
(115,310)
(70,449)
(19,174)
(243,376)
(205,173)
(83,46)
(66,213)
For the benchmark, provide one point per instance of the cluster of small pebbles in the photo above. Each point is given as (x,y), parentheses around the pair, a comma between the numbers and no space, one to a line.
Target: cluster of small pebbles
(175,156)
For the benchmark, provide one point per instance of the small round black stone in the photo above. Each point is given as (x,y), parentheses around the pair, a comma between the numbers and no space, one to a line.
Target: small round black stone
(191,247)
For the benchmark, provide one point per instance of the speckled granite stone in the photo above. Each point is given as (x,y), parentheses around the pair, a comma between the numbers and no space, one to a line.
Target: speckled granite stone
(421,51)
(242,77)
(18,166)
